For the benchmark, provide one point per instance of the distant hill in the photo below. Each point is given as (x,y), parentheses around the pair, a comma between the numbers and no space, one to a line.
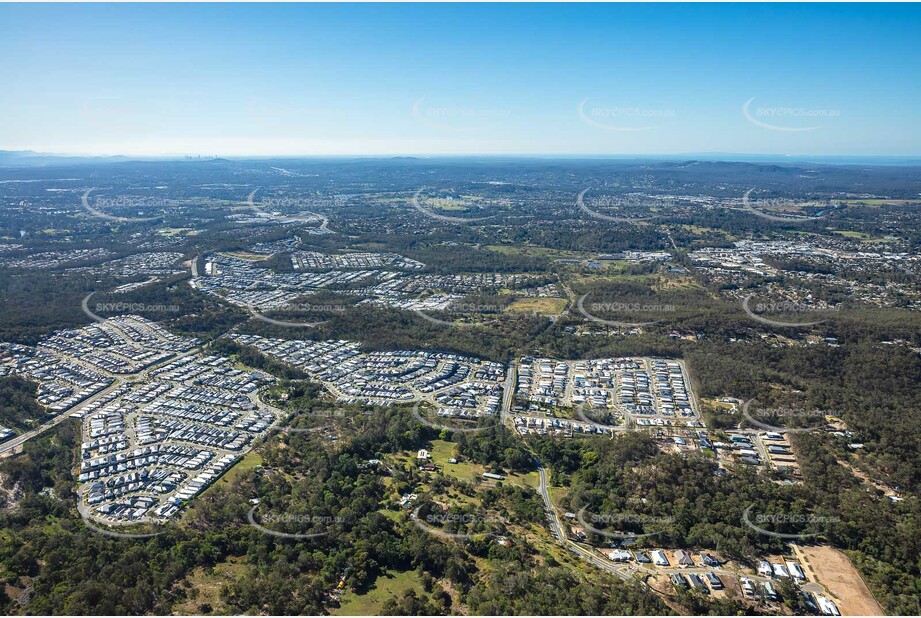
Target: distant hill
(774,163)
(29,158)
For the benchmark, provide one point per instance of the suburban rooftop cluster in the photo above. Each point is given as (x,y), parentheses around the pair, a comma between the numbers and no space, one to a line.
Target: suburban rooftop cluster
(461,385)
(161,420)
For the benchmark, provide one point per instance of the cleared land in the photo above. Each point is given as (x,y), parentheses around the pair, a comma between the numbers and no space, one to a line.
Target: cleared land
(833,569)
(875,202)
(203,589)
(371,602)
(249,461)
(442,451)
(243,255)
(861,236)
(542,306)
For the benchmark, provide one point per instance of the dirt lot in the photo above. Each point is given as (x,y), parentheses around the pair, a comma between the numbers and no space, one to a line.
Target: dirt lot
(541,306)
(833,569)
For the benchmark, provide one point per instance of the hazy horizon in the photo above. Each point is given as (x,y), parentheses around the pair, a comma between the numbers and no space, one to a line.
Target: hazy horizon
(452,80)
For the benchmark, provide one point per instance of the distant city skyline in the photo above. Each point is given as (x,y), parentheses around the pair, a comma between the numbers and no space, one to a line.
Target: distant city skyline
(418,79)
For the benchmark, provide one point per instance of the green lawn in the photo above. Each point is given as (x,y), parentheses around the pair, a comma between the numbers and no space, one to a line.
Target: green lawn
(531,479)
(442,451)
(385,587)
(861,236)
(249,461)
(875,202)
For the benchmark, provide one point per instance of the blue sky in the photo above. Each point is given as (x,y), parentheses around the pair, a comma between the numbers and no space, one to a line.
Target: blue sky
(242,79)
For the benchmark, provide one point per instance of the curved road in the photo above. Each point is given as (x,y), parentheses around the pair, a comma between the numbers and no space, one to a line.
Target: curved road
(556,527)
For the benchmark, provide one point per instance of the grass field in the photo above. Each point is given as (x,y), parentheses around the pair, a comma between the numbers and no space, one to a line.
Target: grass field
(531,479)
(556,496)
(249,461)
(206,584)
(581,280)
(371,246)
(676,283)
(385,587)
(443,450)
(696,229)
(861,236)
(242,255)
(541,306)
(875,202)
(175,231)
(444,203)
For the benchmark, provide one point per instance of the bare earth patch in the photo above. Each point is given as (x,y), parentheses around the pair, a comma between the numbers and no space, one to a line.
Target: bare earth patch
(833,569)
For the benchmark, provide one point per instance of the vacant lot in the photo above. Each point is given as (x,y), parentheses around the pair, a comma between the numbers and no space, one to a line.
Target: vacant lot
(384,588)
(833,569)
(861,236)
(243,255)
(541,306)
(442,450)
(203,595)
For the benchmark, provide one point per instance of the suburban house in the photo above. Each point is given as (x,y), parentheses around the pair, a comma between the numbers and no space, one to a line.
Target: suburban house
(619,555)
(709,560)
(684,558)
